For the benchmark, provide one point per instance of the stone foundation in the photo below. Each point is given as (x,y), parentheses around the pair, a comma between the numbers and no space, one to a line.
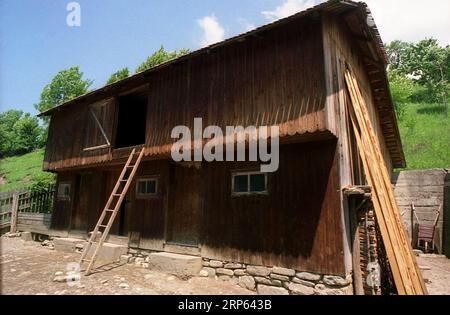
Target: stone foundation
(277,280)
(263,280)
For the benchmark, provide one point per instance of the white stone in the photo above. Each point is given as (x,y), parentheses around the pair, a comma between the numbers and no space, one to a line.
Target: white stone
(233,266)
(60,279)
(108,252)
(67,245)
(308,276)
(300,289)
(337,281)
(247,282)
(304,282)
(258,271)
(279,277)
(239,272)
(124,286)
(59,273)
(204,273)
(269,290)
(223,271)
(211,272)
(124,259)
(175,264)
(262,280)
(283,271)
(26,236)
(215,264)
(224,278)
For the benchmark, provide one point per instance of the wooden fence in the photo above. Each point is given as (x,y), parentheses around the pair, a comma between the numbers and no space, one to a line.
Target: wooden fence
(26,210)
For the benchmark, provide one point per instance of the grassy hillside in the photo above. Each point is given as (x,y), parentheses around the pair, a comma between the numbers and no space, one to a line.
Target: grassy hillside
(425,132)
(23,171)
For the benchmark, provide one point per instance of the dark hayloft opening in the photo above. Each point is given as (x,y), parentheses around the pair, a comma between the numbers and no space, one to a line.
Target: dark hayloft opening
(131,122)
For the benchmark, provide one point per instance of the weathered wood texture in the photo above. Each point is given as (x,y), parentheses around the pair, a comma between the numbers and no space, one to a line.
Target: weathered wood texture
(185,205)
(62,208)
(273,79)
(344,49)
(294,226)
(34,222)
(405,271)
(298,225)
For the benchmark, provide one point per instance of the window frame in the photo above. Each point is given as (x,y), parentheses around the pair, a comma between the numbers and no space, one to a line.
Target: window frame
(249,192)
(146,179)
(64,197)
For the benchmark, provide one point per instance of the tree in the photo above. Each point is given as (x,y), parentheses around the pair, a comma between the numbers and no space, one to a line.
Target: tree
(402,90)
(426,63)
(20,133)
(119,75)
(159,57)
(65,86)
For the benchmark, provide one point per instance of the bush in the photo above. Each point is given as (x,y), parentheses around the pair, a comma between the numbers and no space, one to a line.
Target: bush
(403,90)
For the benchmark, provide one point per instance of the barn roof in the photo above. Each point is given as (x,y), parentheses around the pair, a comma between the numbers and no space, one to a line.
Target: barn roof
(364,30)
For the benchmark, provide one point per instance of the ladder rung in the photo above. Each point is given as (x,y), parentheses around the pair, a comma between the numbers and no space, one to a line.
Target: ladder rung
(109,210)
(130,166)
(85,259)
(101,225)
(124,180)
(117,195)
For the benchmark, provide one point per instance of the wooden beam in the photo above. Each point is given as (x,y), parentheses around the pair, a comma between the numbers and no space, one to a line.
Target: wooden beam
(103,146)
(100,127)
(405,270)
(14,212)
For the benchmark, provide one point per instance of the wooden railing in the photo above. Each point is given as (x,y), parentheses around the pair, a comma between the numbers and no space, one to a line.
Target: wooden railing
(26,204)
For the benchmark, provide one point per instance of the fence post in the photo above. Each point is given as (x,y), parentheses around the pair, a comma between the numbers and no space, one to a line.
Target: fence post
(14,212)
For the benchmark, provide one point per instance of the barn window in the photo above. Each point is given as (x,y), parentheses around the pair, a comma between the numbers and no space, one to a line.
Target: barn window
(63,191)
(146,187)
(131,120)
(249,183)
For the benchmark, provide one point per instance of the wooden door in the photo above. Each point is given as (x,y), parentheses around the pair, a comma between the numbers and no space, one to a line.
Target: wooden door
(83,187)
(184,209)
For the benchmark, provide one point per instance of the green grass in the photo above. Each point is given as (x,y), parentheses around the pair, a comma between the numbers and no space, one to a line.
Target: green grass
(23,171)
(425,132)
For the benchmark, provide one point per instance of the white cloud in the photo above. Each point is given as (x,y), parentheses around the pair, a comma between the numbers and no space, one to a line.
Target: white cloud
(287,8)
(246,25)
(213,32)
(407,20)
(412,20)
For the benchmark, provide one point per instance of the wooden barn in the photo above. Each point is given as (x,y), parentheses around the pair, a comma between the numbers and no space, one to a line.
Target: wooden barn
(289,74)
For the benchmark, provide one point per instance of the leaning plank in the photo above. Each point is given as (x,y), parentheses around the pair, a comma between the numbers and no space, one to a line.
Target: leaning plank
(405,270)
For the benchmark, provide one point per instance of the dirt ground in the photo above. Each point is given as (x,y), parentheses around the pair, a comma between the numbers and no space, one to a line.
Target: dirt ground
(436,273)
(29,268)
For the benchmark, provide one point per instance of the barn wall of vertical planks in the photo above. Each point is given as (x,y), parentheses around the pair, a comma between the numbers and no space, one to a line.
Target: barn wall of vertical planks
(291,74)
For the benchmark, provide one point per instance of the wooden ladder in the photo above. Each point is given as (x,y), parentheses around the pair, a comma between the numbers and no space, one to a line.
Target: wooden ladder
(112,207)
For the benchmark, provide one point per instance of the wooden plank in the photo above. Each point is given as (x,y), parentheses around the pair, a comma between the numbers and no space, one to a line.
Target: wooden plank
(406,273)
(14,212)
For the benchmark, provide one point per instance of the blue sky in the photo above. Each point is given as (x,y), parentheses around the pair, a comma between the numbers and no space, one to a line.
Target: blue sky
(36,43)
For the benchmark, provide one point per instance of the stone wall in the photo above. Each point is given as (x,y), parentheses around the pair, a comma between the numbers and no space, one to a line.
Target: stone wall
(277,280)
(424,188)
(263,280)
